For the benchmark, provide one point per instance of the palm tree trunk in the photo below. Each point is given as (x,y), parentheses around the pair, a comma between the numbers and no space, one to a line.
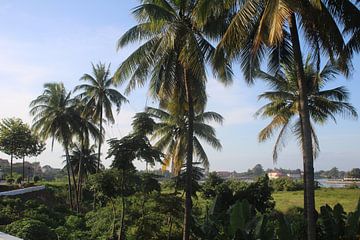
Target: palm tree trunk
(306,133)
(189,158)
(69,179)
(79,172)
(100,139)
(23,169)
(73,177)
(305,192)
(99,150)
(11,165)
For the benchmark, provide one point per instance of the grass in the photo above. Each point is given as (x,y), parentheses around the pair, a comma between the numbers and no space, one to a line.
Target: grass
(348,198)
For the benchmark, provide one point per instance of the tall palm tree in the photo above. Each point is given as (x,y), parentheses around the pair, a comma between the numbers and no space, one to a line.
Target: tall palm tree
(55,116)
(259,26)
(282,108)
(99,96)
(87,131)
(174,56)
(170,134)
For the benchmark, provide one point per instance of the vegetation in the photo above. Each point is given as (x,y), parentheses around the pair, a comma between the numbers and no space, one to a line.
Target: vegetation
(283,103)
(17,140)
(176,48)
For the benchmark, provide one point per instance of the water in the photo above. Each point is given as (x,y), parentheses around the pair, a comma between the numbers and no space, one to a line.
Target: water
(327,183)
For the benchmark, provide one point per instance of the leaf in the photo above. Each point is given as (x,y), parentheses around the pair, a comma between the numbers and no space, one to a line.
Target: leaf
(240,214)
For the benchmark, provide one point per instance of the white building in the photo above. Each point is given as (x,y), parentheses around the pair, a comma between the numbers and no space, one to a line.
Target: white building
(275,175)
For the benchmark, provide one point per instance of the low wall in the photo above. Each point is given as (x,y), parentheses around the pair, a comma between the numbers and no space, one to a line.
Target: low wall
(4,236)
(22,191)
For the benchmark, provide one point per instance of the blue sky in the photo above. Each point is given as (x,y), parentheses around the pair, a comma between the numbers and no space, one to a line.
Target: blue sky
(53,41)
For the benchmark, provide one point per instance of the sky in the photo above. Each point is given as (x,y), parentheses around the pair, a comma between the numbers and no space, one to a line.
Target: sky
(56,41)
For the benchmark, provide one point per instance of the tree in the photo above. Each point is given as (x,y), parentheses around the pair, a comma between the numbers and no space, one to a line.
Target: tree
(84,161)
(211,183)
(123,152)
(55,116)
(99,96)
(333,173)
(171,132)
(354,173)
(257,170)
(174,55)
(109,184)
(254,28)
(31,146)
(17,140)
(324,104)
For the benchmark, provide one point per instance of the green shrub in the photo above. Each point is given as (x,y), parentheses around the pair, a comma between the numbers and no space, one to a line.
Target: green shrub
(10,180)
(19,180)
(352,186)
(286,184)
(29,229)
(36,179)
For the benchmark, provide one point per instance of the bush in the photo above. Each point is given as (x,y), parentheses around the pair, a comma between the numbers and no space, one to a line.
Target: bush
(286,184)
(352,186)
(10,180)
(19,180)
(36,179)
(29,229)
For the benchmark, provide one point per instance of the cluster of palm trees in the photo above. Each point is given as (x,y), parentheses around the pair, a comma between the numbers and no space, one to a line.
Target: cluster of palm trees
(75,121)
(176,49)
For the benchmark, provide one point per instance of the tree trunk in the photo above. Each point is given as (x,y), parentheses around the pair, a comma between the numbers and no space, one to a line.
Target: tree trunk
(100,139)
(306,133)
(122,227)
(99,150)
(80,173)
(170,227)
(122,221)
(69,179)
(11,165)
(114,217)
(305,192)
(189,158)
(23,169)
(74,180)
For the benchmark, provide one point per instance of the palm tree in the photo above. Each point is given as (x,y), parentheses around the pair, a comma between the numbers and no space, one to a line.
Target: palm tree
(84,161)
(55,116)
(99,96)
(88,130)
(282,108)
(170,133)
(256,27)
(174,56)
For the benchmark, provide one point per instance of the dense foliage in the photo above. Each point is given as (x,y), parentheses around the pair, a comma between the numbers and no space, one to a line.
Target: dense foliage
(232,210)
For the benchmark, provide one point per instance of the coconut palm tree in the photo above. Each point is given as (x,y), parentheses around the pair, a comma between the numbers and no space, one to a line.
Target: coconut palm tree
(283,110)
(173,55)
(84,161)
(258,27)
(99,97)
(55,116)
(170,134)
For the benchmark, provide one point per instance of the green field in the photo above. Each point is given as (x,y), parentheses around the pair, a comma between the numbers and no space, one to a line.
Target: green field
(348,198)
